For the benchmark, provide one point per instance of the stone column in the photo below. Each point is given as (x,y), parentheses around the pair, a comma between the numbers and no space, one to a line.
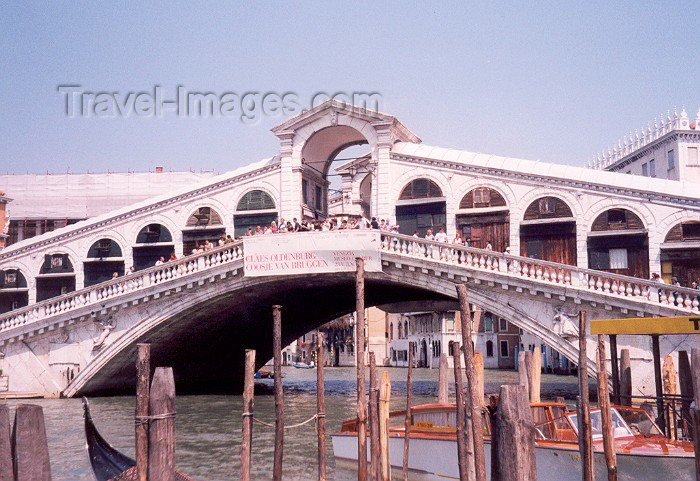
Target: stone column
(382,192)
(290,179)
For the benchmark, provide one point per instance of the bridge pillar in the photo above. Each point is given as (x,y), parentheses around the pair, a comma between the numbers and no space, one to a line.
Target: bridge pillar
(290,179)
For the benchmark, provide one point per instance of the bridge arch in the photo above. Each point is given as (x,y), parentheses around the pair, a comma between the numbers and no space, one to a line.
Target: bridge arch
(207,326)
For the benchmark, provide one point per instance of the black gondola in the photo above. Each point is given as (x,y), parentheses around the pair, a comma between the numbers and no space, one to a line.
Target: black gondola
(108,463)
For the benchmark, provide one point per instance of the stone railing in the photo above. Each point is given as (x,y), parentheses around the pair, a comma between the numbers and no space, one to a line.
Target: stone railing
(543,271)
(98,293)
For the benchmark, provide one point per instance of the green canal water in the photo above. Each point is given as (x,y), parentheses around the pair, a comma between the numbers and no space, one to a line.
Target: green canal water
(209,427)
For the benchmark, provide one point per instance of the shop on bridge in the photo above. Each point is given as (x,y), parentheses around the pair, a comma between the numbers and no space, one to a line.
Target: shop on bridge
(483,217)
(619,243)
(421,206)
(203,225)
(256,208)
(104,259)
(680,253)
(548,231)
(152,242)
(55,278)
(14,292)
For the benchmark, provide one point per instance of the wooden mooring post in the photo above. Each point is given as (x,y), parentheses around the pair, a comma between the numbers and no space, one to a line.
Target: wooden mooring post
(6,463)
(473,402)
(373,411)
(442,380)
(461,415)
(247,415)
(625,378)
(660,418)
(513,437)
(524,371)
(479,369)
(321,408)
(685,378)
(614,364)
(143,381)
(606,415)
(360,350)
(535,375)
(279,394)
(384,399)
(695,412)
(161,432)
(670,380)
(585,441)
(407,420)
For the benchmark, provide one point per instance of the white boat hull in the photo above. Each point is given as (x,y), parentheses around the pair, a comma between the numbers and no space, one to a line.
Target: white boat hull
(437,458)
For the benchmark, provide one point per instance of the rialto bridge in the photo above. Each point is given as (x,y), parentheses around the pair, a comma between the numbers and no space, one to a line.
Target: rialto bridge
(577,239)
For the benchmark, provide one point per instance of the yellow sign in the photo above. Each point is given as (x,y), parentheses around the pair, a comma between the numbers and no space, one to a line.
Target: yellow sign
(647,325)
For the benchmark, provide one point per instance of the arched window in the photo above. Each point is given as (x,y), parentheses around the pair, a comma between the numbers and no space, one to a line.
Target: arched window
(13,290)
(153,233)
(489,349)
(547,208)
(400,330)
(104,248)
(204,217)
(103,260)
(55,278)
(684,232)
(482,197)
(256,200)
(420,189)
(153,242)
(617,219)
(391,331)
(405,329)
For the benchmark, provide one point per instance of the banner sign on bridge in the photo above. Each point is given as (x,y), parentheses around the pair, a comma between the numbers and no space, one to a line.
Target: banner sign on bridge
(311,252)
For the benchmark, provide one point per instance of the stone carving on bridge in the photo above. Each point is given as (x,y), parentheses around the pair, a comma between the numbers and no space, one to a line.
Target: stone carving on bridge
(564,325)
(106,327)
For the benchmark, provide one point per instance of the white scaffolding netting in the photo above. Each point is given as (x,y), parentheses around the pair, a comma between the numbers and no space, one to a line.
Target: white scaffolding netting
(80,196)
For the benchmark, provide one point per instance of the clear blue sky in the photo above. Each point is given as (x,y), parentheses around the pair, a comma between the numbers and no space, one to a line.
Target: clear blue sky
(553,81)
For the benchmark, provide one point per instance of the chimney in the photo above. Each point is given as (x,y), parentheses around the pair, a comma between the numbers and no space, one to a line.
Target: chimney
(4,220)
(159,169)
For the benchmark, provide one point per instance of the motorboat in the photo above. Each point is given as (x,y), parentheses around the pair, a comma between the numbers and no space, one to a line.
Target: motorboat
(303,365)
(643,453)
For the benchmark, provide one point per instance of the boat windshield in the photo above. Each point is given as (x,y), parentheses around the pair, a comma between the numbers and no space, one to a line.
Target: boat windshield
(639,422)
(620,428)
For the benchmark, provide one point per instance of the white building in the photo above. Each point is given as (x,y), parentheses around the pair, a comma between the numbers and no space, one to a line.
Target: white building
(431,333)
(667,148)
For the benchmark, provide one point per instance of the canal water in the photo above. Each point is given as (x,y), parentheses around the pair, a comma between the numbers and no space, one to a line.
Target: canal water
(209,427)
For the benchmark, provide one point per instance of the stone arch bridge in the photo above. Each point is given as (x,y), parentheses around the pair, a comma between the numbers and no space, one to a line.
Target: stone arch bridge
(199,312)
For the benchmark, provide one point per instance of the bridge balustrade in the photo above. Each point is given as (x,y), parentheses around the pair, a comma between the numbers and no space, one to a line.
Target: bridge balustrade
(123,285)
(542,271)
(534,270)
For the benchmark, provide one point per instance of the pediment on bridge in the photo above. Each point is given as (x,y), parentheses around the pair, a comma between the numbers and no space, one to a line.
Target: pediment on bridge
(329,112)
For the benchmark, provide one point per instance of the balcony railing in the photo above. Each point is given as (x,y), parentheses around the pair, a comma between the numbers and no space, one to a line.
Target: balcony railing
(98,293)
(540,272)
(543,272)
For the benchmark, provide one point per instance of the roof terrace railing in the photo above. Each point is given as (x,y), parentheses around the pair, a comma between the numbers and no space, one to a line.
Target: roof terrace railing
(544,272)
(98,293)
